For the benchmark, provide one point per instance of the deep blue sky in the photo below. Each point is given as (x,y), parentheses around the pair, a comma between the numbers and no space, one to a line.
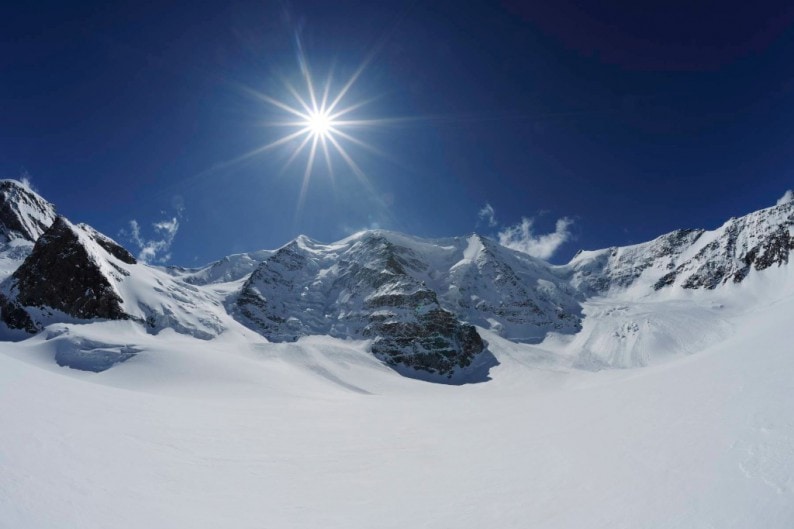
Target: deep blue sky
(632,120)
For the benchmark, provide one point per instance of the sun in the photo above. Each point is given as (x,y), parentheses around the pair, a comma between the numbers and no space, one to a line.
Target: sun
(322,118)
(320,123)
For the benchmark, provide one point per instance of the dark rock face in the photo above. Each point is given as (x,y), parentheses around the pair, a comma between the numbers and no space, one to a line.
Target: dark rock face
(15,316)
(405,317)
(369,292)
(756,241)
(260,302)
(774,249)
(61,274)
(692,259)
(23,214)
(434,342)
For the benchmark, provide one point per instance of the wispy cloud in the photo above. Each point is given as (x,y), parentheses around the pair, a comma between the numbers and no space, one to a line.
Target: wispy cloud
(787,197)
(523,238)
(488,215)
(156,249)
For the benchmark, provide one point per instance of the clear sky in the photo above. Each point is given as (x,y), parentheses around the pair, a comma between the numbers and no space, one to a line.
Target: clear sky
(610,125)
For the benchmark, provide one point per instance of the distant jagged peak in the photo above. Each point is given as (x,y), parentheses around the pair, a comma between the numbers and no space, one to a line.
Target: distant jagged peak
(24,214)
(690,258)
(741,246)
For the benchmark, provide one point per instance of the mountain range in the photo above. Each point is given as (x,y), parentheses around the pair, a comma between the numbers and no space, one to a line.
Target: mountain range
(422,305)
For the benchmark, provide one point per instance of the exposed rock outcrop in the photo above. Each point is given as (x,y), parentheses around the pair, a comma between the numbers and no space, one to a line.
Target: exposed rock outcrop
(63,273)
(690,259)
(365,288)
(754,242)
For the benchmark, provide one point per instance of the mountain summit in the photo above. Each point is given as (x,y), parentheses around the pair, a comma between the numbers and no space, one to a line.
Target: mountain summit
(425,307)
(23,213)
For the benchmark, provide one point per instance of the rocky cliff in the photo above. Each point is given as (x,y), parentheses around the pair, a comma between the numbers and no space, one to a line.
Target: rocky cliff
(64,273)
(364,287)
(689,259)
(754,242)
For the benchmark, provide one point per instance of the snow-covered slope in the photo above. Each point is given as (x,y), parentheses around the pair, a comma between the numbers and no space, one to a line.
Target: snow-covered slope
(75,273)
(202,422)
(23,213)
(741,246)
(616,269)
(668,297)
(510,293)
(415,297)
(238,432)
(230,268)
(690,259)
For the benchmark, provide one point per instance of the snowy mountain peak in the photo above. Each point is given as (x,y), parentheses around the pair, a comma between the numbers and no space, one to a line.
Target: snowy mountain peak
(416,301)
(730,253)
(599,271)
(23,213)
(365,286)
(75,273)
(689,259)
(71,270)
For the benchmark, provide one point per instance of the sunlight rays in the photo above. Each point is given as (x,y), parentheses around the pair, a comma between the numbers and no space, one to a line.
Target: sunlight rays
(314,112)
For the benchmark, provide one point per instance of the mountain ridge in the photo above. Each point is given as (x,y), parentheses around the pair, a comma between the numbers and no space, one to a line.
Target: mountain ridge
(417,301)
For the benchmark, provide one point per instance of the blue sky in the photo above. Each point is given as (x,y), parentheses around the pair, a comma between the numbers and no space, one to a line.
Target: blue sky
(605,125)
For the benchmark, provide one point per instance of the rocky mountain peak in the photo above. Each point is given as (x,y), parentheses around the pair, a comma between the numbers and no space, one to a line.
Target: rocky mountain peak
(690,259)
(730,253)
(361,287)
(70,270)
(23,213)
(597,272)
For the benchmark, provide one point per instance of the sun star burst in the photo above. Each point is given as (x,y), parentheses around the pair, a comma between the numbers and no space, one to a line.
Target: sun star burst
(321,122)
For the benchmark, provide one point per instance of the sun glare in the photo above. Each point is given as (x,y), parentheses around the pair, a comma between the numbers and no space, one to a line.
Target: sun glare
(320,123)
(321,120)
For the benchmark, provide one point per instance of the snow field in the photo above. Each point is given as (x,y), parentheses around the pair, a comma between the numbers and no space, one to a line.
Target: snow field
(238,433)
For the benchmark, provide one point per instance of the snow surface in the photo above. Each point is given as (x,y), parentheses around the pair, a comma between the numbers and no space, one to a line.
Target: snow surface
(237,432)
(230,268)
(667,408)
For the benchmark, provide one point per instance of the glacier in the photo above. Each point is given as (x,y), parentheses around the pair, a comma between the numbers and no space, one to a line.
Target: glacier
(640,386)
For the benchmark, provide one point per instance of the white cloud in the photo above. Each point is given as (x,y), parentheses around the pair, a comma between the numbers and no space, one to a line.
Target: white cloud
(488,215)
(521,237)
(155,249)
(787,197)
